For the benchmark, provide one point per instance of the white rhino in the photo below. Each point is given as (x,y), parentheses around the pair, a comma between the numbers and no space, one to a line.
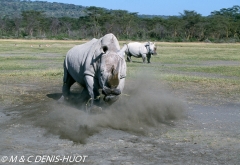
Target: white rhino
(97,64)
(138,50)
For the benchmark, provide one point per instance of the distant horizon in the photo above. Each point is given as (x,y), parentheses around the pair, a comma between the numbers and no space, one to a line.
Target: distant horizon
(155,7)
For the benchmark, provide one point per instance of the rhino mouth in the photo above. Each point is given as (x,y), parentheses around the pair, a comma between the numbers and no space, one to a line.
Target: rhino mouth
(110,98)
(111,91)
(111,94)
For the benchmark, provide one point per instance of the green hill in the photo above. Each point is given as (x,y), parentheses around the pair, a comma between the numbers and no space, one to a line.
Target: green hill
(12,8)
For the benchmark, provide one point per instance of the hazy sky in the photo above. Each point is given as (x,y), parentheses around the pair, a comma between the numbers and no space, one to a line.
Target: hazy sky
(157,7)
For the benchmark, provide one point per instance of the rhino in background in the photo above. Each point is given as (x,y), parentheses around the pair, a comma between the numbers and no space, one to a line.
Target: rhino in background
(97,64)
(144,50)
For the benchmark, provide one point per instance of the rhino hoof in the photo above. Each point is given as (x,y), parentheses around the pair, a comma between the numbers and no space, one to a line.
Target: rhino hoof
(95,109)
(61,100)
(110,99)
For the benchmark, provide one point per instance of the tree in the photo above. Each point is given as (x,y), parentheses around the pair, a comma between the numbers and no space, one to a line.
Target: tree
(2,26)
(233,12)
(191,19)
(67,25)
(158,30)
(55,25)
(93,17)
(17,22)
(175,26)
(229,19)
(32,21)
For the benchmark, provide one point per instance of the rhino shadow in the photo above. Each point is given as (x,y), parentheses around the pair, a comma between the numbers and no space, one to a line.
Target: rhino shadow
(76,99)
(54,96)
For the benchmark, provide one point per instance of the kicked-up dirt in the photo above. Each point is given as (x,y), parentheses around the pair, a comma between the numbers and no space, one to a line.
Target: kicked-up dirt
(150,124)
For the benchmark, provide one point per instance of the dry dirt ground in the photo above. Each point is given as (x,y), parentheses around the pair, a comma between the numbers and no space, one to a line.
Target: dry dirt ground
(150,124)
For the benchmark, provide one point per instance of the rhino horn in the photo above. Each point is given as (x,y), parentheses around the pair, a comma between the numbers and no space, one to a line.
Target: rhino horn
(113,79)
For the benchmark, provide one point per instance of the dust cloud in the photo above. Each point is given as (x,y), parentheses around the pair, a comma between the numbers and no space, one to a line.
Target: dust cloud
(144,104)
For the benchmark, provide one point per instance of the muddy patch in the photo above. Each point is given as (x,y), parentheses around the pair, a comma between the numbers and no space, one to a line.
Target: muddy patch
(220,63)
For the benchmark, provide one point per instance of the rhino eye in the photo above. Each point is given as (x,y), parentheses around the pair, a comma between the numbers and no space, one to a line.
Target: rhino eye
(105,49)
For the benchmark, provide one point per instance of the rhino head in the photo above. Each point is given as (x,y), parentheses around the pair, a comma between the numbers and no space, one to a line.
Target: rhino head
(112,71)
(152,49)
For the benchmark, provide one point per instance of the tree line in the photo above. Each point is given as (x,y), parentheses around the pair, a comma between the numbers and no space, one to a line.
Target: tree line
(190,26)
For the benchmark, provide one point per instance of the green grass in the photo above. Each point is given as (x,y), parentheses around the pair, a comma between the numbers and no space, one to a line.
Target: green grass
(178,64)
(31,57)
(220,70)
(36,46)
(193,53)
(24,57)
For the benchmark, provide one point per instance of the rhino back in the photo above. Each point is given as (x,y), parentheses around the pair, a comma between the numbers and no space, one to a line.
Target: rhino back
(76,58)
(136,49)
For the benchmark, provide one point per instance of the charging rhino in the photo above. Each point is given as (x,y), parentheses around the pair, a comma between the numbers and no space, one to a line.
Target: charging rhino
(97,64)
(138,50)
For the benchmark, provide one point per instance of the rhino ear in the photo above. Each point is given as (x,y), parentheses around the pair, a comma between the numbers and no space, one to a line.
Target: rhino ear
(104,49)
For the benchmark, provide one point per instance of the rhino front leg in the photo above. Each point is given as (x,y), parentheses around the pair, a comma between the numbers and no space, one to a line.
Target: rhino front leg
(92,87)
(148,58)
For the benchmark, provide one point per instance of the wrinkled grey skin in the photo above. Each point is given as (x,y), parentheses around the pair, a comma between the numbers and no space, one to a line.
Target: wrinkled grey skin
(144,50)
(97,64)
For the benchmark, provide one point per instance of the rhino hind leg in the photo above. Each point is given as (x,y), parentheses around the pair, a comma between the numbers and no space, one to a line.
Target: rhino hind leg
(129,58)
(144,58)
(68,81)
